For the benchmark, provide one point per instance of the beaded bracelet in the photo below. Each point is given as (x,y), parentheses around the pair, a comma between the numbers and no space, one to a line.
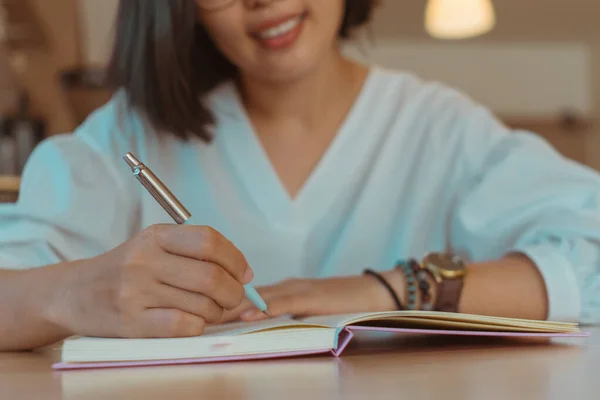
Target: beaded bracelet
(424,285)
(411,289)
(416,278)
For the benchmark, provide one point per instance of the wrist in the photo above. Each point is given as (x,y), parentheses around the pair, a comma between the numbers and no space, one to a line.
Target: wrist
(432,292)
(51,287)
(447,272)
(24,321)
(379,295)
(383,299)
(397,281)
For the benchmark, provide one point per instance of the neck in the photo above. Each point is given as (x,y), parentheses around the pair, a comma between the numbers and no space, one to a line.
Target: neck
(304,101)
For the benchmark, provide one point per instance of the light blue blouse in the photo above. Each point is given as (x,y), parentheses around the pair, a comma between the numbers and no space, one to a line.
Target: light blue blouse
(416,167)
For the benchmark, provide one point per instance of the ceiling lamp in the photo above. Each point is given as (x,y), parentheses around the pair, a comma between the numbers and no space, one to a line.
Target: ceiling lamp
(459,19)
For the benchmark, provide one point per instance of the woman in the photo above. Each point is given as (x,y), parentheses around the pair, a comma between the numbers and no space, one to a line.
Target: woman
(302,170)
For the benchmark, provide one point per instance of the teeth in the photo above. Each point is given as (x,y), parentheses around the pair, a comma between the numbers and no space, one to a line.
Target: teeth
(280,29)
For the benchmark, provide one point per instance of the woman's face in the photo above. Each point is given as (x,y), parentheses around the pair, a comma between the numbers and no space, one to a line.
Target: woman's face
(274,39)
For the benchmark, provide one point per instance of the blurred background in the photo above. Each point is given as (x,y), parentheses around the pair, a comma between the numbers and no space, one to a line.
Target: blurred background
(535,63)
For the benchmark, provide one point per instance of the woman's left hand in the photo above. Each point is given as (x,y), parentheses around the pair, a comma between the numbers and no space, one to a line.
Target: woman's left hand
(305,297)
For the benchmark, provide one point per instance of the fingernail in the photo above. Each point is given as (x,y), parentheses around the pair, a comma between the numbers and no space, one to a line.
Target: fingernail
(248,276)
(248,314)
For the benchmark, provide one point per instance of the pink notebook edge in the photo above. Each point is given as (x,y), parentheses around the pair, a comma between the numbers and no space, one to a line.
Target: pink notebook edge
(344,339)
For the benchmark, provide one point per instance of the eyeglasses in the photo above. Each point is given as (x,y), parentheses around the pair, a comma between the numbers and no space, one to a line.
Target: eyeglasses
(210,5)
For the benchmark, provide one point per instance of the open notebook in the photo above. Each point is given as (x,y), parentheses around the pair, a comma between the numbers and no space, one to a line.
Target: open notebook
(284,337)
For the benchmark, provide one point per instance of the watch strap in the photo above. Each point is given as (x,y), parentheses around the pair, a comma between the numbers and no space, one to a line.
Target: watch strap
(448,295)
(448,271)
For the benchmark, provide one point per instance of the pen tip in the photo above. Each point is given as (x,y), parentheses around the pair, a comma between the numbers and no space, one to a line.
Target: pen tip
(267,313)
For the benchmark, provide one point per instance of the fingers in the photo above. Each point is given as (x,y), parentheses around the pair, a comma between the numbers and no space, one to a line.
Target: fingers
(234,315)
(204,278)
(293,297)
(165,323)
(281,305)
(204,244)
(189,302)
(247,306)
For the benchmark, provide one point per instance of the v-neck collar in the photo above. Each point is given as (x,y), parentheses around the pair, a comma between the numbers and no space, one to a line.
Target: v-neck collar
(256,173)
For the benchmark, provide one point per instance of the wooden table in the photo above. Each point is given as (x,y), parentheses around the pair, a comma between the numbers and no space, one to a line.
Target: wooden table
(397,368)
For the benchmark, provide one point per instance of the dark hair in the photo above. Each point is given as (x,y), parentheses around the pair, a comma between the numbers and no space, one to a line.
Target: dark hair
(165,61)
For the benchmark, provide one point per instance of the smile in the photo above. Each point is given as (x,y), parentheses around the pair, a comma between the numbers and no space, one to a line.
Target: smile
(281,29)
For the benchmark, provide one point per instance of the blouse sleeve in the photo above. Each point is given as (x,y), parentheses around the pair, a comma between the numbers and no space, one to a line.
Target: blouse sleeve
(520,195)
(72,205)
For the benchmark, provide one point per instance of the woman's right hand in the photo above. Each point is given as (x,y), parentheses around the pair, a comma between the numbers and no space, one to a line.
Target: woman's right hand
(168,281)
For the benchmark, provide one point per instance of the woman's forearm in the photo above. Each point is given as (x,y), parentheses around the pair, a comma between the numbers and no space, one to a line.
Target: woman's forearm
(510,287)
(23,300)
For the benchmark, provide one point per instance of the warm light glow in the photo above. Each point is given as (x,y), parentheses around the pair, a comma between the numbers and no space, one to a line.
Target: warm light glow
(459,19)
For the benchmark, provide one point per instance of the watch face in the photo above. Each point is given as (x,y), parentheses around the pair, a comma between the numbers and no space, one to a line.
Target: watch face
(444,261)
(448,265)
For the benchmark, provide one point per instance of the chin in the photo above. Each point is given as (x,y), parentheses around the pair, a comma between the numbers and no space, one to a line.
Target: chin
(293,60)
(284,73)
(288,66)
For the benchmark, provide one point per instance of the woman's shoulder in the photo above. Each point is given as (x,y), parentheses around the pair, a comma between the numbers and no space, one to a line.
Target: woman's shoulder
(113,128)
(433,114)
(440,110)
(412,91)
(101,140)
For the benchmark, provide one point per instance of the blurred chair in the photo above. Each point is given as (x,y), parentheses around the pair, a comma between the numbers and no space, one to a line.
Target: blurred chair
(85,89)
(9,189)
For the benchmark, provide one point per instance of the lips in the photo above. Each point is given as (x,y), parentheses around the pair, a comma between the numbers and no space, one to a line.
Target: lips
(273,22)
(280,29)
(279,32)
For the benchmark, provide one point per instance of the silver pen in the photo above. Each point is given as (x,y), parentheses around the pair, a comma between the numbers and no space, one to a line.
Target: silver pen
(177,211)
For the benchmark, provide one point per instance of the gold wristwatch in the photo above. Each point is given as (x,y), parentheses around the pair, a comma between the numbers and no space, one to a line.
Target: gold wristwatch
(449,271)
